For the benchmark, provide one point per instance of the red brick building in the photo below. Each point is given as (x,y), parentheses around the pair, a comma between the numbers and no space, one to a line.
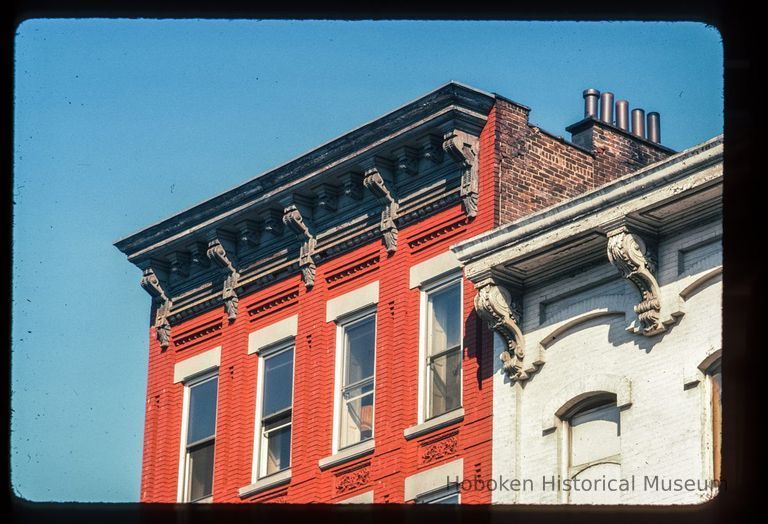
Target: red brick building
(313,338)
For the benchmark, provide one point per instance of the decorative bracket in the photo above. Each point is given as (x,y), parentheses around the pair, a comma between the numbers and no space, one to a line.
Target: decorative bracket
(151,285)
(494,304)
(628,252)
(218,255)
(375,183)
(464,153)
(295,222)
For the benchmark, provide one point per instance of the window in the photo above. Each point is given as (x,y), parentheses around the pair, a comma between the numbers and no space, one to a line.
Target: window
(358,339)
(443,348)
(199,441)
(594,447)
(448,495)
(276,398)
(716,382)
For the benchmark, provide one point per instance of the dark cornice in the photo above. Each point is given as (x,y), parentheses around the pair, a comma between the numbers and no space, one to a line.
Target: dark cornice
(452,94)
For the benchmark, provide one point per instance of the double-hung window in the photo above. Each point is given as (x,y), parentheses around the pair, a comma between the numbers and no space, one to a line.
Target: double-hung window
(276,410)
(200,402)
(358,339)
(443,347)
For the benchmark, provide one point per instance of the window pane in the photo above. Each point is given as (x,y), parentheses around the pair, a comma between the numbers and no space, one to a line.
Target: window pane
(201,471)
(278,444)
(595,434)
(357,415)
(278,382)
(360,350)
(444,496)
(445,328)
(445,383)
(202,410)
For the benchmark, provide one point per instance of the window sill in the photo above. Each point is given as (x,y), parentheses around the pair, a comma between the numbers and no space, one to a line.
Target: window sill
(347,454)
(263,484)
(433,424)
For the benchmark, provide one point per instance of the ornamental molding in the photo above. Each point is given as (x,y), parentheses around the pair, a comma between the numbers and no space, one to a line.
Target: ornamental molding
(629,253)
(374,182)
(295,222)
(495,305)
(461,148)
(218,255)
(151,284)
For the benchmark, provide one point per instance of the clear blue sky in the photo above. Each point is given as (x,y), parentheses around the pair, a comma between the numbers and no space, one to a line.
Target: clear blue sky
(120,123)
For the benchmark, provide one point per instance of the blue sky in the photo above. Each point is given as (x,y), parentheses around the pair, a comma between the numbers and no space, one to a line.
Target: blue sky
(121,123)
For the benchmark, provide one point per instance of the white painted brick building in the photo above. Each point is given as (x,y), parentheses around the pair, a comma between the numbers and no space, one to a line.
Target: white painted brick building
(607,312)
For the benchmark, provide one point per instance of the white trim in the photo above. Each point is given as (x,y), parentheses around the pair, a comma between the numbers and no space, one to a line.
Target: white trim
(182,478)
(196,365)
(359,298)
(433,479)
(349,453)
(256,459)
(432,268)
(339,369)
(446,419)
(362,498)
(272,334)
(423,328)
(276,479)
(580,389)
(694,372)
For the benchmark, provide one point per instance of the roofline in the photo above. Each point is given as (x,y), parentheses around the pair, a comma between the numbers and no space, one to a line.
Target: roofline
(123,243)
(497,239)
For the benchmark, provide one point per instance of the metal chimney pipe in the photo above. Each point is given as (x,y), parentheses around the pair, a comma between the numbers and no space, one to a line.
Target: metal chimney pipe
(654,127)
(606,107)
(591,97)
(638,123)
(622,114)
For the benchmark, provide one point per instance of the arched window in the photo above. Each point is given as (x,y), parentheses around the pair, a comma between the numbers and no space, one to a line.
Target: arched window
(592,435)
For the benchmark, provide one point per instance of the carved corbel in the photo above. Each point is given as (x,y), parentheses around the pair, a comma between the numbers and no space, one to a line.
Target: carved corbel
(151,285)
(375,183)
(464,153)
(218,255)
(628,252)
(494,304)
(295,222)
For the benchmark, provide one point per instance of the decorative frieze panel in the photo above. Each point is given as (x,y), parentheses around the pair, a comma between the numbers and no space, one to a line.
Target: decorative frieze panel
(437,233)
(631,256)
(197,335)
(349,481)
(358,267)
(151,285)
(436,449)
(495,305)
(274,303)
(375,183)
(460,147)
(295,222)
(218,255)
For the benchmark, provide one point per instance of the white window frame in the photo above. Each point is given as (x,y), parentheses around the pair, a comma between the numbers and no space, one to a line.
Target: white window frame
(434,497)
(341,323)
(183,483)
(566,470)
(712,367)
(426,288)
(258,470)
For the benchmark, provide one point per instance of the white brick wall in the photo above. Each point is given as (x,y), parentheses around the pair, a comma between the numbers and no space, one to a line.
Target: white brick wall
(665,430)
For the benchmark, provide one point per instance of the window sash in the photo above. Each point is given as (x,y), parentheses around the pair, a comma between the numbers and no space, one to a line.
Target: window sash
(206,441)
(272,425)
(356,399)
(433,356)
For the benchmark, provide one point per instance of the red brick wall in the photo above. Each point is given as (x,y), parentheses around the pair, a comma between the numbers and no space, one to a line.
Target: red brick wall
(537,170)
(396,374)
